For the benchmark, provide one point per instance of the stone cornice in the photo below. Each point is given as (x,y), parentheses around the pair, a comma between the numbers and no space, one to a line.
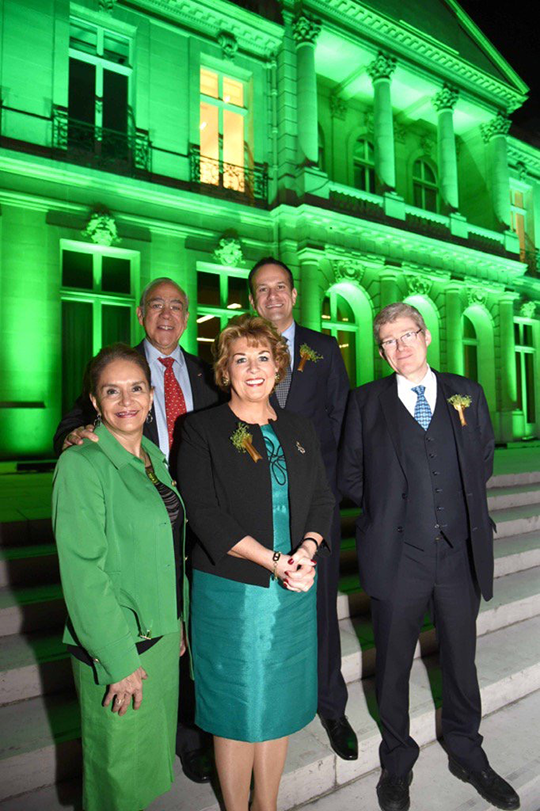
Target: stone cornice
(522,153)
(253,33)
(446,98)
(388,33)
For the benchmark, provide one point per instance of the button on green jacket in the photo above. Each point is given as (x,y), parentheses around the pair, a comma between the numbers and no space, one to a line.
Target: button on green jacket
(116,553)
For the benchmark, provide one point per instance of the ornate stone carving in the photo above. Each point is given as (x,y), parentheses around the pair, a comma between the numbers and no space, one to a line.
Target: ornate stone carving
(528,309)
(522,170)
(427,144)
(446,98)
(107,5)
(101,228)
(475,295)
(228,45)
(229,252)
(400,133)
(499,125)
(382,67)
(305,29)
(338,107)
(348,270)
(369,122)
(418,285)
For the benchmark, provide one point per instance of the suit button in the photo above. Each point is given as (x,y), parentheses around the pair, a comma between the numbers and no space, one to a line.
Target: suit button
(400,529)
(438,489)
(440,508)
(404,495)
(432,455)
(437,537)
(435,472)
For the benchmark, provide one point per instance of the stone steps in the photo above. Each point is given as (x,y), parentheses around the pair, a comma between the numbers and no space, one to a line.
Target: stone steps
(28,564)
(509,668)
(32,665)
(27,609)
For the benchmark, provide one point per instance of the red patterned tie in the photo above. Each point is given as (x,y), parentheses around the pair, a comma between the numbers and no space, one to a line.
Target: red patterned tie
(175,403)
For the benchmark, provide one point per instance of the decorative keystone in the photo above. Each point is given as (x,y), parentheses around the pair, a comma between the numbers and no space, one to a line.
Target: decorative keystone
(229,253)
(228,44)
(348,270)
(305,29)
(107,5)
(382,67)
(101,228)
(446,98)
(499,125)
(475,295)
(419,286)
(528,309)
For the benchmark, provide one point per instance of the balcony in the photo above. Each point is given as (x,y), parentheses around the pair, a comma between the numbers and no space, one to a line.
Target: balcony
(124,153)
(216,177)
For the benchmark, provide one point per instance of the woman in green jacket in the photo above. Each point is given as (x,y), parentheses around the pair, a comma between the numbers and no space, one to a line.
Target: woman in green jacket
(119,526)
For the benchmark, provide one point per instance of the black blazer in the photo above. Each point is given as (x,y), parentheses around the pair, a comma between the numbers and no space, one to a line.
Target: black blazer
(373,475)
(228,495)
(83,412)
(320,392)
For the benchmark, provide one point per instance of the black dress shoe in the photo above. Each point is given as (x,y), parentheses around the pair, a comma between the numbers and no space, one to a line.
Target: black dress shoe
(342,737)
(491,786)
(197,765)
(393,791)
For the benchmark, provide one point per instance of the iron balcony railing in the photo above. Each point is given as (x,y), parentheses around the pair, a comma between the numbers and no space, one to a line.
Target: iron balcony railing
(228,179)
(101,148)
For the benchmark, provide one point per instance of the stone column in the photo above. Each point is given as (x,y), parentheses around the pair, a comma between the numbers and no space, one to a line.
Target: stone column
(507,366)
(494,133)
(454,330)
(310,294)
(305,33)
(385,165)
(444,103)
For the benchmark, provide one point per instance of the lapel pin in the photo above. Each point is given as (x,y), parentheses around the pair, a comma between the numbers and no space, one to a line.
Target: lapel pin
(299,448)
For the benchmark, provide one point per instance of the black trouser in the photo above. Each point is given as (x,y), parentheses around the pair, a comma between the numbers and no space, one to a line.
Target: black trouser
(332,687)
(439,579)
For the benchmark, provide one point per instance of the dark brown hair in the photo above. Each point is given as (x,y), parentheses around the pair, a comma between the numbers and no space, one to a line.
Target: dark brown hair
(268,260)
(108,354)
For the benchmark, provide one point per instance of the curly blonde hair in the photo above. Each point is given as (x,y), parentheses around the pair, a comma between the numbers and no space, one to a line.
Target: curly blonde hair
(257,331)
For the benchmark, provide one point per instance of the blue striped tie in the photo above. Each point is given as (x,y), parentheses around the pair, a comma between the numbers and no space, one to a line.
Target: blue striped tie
(422,411)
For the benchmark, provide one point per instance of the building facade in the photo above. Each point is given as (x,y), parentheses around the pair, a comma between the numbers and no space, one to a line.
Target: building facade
(368,145)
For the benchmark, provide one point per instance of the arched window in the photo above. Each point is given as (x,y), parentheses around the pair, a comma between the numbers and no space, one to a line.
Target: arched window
(425,191)
(364,165)
(338,320)
(322,155)
(470,349)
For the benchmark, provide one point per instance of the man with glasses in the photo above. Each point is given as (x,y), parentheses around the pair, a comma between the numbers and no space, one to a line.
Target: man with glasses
(417,452)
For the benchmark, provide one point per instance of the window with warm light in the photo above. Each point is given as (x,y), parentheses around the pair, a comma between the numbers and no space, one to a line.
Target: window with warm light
(338,320)
(364,165)
(425,189)
(526,371)
(222,130)
(220,296)
(519,221)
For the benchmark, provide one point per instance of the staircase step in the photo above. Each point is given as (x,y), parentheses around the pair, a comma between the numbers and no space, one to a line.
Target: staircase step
(517,520)
(33,665)
(500,498)
(20,565)
(34,608)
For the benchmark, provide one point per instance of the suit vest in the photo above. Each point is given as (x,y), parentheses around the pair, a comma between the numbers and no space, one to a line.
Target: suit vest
(435,499)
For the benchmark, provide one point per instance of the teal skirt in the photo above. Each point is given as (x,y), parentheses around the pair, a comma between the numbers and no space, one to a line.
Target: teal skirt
(128,760)
(255,648)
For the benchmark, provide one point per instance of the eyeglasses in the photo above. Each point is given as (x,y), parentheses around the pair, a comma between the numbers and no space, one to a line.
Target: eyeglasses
(407,339)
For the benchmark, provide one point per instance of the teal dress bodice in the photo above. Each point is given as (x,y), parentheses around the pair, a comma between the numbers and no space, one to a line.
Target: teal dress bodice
(255,648)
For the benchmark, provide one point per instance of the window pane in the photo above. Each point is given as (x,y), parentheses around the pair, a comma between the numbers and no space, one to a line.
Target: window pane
(417,170)
(346,341)
(77,270)
(519,381)
(83,38)
(517,334)
(209,83)
(418,196)
(76,348)
(429,174)
(344,310)
(529,378)
(209,144)
(208,289)
(468,328)
(360,180)
(115,275)
(238,293)
(326,309)
(116,49)
(471,361)
(82,91)
(371,180)
(431,199)
(527,335)
(206,332)
(115,324)
(115,101)
(233,92)
(233,151)
(518,199)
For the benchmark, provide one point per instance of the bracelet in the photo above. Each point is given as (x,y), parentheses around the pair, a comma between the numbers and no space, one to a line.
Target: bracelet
(275,557)
(309,538)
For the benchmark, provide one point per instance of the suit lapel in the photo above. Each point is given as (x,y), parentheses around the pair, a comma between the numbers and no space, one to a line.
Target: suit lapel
(195,378)
(389,401)
(296,375)
(446,392)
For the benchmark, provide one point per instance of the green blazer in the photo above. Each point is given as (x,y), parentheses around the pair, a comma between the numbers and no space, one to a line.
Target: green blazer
(116,552)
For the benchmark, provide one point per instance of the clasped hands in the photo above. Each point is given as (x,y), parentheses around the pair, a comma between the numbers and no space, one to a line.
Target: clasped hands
(297,571)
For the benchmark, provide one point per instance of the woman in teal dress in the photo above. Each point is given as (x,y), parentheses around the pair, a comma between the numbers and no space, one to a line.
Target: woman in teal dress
(257,498)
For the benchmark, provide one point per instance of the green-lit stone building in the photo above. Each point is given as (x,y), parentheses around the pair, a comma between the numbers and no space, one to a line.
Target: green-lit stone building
(367,144)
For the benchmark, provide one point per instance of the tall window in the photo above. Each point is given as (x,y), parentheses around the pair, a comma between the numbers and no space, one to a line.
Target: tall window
(364,165)
(525,370)
(97,307)
(99,74)
(219,296)
(338,320)
(519,221)
(222,130)
(470,349)
(425,191)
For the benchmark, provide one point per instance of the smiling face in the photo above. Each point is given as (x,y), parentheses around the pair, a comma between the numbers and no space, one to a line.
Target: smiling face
(123,398)
(164,317)
(251,371)
(407,360)
(272,296)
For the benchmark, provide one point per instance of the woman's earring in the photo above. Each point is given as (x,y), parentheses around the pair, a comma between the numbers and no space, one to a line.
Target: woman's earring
(149,417)
(97,421)
(226,381)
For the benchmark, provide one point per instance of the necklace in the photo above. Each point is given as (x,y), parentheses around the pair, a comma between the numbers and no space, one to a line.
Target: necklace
(151,475)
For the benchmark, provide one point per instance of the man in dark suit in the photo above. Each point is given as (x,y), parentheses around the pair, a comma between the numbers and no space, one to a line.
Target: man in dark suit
(417,451)
(317,387)
(182,383)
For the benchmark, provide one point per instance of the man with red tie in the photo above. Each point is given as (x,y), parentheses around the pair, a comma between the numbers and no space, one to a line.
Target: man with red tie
(182,383)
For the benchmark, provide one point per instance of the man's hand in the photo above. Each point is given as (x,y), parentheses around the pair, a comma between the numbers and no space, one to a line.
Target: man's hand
(121,692)
(78,434)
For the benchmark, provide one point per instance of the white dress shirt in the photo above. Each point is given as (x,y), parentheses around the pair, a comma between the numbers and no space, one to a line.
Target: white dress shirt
(409,397)
(157,371)
(289,334)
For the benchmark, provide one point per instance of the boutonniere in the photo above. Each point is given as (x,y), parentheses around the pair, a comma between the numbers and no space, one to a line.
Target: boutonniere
(299,448)
(306,353)
(460,403)
(243,441)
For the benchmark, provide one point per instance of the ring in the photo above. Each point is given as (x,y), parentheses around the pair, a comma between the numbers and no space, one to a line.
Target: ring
(119,701)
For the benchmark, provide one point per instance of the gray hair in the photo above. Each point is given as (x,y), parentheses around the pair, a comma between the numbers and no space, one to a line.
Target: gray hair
(154,283)
(394,311)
